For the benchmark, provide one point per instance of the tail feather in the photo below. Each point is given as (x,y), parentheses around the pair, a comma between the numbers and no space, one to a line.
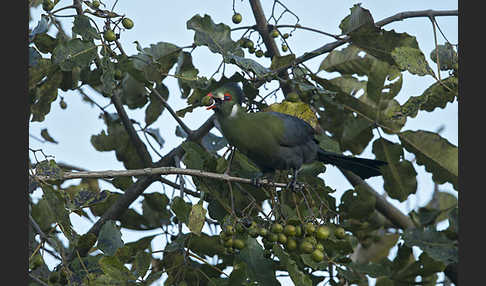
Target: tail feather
(365,168)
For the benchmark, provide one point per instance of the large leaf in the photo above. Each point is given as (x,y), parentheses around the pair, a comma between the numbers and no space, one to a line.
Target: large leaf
(44,95)
(248,65)
(215,36)
(437,95)
(134,92)
(258,267)
(156,61)
(438,155)
(399,175)
(82,26)
(57,206)
(400,49)
(358,203)
(448,58)
(109,238)
(115,269)
(298,277)
(155,108)
(358,18)
(74,53)
(436,244)
(116,139)
(197,217)
(185,69)
(347,61)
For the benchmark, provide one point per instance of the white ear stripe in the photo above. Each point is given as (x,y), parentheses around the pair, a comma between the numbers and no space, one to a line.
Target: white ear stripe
(234,110)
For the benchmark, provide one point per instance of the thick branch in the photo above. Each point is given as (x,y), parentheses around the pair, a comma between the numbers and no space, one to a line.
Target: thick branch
(262,27)
(140,147)
(388,210)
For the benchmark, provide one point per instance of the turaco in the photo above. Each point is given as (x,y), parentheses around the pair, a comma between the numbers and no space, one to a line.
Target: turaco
(277,141)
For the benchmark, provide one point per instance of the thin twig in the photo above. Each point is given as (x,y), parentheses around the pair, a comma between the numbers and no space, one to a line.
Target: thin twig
(171,111)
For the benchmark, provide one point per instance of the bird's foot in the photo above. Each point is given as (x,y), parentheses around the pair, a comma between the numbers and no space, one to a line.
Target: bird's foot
(256,182)
(294,186)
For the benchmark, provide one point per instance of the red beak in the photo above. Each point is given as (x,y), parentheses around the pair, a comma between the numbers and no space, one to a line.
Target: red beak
(212,106)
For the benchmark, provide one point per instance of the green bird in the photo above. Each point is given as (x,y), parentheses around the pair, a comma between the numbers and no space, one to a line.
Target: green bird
(277,141)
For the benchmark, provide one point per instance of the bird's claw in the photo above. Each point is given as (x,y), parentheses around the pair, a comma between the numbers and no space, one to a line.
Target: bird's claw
(294,186)
(256,182)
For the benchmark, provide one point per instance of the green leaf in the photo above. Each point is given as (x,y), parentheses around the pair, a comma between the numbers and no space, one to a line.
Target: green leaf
(109,238)
(258,268)
(49,168)
(197,218)
(155,61)
(57,206)
(155,210)
(47,137)
(434,243)
(181,209)
(448,58)
(372,269)
(87,197)
(281,61)
(327,143)
(45,43)
(118,140)
(347,62)
(134,92)
(82,27)
(74,53)
(142,263)
(44,95)
(298,277)
(155,108)
(114,268)
(385,112)
(358,203)
(216,37)
(399,175)
(356,134)
(43,215)
(307,259)
(108,76)
(185,69)
(438,155)
(358,18)
(437,95)
(400,49)
(248,65)
(443,202)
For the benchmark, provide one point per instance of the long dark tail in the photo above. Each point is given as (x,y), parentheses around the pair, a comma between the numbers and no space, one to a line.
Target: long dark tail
(364,168)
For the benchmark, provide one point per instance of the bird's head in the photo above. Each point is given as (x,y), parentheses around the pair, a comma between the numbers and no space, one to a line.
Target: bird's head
(225,97)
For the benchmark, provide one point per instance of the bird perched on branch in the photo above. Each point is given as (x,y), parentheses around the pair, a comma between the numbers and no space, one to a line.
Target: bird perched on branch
(277,141)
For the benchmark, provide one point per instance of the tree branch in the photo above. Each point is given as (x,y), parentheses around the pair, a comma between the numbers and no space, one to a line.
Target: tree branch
(388,210)
(151,172)
(171,111)
(262,28)
(136,189)
(331,46)
(140,147)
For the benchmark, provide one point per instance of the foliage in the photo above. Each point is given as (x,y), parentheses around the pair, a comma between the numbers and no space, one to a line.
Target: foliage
(305,233)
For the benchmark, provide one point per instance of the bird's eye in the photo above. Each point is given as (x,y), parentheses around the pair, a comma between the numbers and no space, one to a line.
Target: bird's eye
(227,96)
